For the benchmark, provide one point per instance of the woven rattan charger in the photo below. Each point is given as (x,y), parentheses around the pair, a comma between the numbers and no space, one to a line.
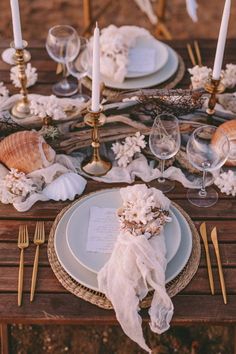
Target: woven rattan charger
(99,299)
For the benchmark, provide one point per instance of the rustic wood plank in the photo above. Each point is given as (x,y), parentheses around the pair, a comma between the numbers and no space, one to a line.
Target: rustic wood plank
(68,309)
(9,254)
(48,283)
(9,229)
(224,209)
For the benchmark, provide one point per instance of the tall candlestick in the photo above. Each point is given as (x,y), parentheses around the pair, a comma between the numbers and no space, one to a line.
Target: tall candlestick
(96,71)
(15,12)
(221,41)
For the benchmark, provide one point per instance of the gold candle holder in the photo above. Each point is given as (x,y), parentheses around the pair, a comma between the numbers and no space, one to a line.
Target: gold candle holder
(214,87)
(21,109)
(95,166)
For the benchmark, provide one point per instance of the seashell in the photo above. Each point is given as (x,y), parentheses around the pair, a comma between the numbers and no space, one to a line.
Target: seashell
(26,151)
(67,186)
(229,128)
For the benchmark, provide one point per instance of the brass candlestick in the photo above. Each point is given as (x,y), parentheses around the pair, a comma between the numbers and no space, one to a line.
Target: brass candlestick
(214,87)
(21,109)
(96,166)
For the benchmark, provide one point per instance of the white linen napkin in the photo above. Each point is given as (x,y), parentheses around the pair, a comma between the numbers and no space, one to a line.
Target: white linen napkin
(136,264)
(115,43)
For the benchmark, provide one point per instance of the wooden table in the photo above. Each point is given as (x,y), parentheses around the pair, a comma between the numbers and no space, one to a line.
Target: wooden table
(53,304)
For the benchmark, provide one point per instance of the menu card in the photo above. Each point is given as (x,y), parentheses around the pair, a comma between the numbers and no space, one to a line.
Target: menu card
(103,229)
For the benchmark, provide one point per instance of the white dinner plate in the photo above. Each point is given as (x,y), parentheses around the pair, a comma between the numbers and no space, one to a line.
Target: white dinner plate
(77,229)
(154,79)
(89,279)
(160,55)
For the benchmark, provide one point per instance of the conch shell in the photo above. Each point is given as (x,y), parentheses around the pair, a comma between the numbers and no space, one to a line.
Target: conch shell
(26,151)
(229,129)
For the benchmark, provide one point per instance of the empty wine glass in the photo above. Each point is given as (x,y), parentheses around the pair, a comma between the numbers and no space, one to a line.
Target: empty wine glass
(206,153)
(164,142)
(80,65)
(62,44)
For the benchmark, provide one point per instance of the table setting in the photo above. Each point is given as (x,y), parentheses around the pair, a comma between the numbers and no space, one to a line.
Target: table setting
(123,156)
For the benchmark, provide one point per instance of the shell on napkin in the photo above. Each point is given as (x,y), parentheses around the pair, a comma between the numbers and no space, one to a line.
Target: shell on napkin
(228,128)
(67,186)
(26,151)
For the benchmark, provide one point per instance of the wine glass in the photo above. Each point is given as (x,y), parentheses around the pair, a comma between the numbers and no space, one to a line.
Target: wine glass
(80,65)
(206,153)
(164,142)
(63,44)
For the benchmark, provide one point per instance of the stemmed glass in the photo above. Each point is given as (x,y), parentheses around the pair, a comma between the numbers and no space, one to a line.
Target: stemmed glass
(62,44)
(80,65)
(206,154)
(164,142)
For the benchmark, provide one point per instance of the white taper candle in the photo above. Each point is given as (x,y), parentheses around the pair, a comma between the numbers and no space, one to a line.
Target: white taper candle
(221,41)
(96,71)
(15,12)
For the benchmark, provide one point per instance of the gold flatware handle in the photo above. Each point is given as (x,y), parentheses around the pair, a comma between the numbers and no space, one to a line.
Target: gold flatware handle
(203,233)
(220,270)
(191,55)
(20,277)
(34,275)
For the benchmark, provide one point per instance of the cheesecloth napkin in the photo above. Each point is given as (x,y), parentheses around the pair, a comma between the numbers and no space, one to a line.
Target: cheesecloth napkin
(136,264)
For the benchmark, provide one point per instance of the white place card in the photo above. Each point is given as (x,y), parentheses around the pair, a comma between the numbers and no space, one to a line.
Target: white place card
(142,60)
(103,229)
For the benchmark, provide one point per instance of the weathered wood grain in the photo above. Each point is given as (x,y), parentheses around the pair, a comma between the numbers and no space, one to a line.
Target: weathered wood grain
(53,304)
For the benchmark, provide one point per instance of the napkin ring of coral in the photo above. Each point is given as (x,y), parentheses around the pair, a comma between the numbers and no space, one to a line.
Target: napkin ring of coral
(145,211)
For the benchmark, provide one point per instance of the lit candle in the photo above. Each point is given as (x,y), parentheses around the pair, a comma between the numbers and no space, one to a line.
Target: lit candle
(15,12)
(221,41)
(96,71)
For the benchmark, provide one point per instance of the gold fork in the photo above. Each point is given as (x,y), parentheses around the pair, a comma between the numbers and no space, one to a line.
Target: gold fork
(198,59)
(23,242)
(39,239)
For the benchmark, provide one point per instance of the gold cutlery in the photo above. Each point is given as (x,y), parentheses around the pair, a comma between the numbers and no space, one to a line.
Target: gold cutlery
(23,242)
(214,239)
(198,59)
(39,239)
(203,233)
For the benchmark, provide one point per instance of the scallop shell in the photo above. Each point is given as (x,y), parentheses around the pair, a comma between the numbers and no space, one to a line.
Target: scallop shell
(67,186)
(229,128)
(26,151)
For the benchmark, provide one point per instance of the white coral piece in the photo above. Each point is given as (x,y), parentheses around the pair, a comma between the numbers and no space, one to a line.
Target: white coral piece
(31,74)
(125,151)
(143,207)
(3,90)
(226,182)
(199,76)
(15,186)
(48,106)
(229,76)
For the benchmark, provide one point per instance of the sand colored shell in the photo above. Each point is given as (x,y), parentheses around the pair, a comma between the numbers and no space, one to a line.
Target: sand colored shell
(228,128)
(26,151)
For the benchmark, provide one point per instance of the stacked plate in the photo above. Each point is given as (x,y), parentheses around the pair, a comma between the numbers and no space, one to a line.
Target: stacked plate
(70,240)
(165,65)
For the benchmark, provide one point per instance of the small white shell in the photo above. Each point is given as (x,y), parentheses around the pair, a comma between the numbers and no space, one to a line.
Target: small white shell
(67,186)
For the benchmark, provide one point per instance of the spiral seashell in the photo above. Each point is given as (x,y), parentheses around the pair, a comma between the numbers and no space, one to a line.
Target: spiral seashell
(26,151)
(67,186)
(229,129)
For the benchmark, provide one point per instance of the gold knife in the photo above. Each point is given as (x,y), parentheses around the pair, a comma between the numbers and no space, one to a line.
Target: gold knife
(217,252)
(203,233)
